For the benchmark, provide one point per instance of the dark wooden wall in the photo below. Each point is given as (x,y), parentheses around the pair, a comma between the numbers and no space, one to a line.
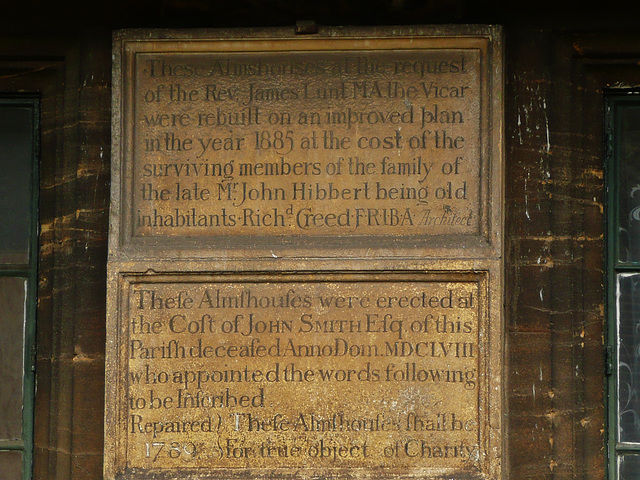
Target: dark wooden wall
(556,68)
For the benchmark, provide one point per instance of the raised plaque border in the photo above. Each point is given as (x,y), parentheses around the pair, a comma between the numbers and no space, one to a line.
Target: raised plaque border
(487,243)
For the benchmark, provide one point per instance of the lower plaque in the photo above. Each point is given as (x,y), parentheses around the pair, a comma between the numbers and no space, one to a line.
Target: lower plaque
(378,373)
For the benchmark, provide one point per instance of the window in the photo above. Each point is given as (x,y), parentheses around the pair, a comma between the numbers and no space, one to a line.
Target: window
(19,135)
(623,275)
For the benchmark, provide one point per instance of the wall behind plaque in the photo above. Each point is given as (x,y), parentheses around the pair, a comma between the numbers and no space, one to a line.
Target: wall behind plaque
(554,244)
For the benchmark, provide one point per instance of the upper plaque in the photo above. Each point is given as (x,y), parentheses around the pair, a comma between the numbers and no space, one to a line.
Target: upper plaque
(223,141)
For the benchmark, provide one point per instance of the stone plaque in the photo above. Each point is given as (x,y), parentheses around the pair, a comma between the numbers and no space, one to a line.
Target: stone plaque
(227,140)
(305,255)
(289,373)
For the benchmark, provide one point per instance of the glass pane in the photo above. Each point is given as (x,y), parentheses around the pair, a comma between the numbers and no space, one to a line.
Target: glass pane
(11,465)
(629,467)
(16,166)
(629,357)
(629,183)
(12,323)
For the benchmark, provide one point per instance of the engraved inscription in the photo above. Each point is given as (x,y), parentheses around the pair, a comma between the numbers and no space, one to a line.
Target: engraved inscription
(292,374)
(307,143)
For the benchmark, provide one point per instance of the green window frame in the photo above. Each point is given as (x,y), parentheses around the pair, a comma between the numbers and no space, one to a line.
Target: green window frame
(622,178)
(19,152)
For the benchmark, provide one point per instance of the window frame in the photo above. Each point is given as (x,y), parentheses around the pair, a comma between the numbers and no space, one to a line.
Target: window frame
(28,272)
(614,99)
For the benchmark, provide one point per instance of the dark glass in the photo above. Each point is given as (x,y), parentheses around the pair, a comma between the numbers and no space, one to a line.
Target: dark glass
(629,467)
(628,357)
(16,169)
(629,184)
(12,322)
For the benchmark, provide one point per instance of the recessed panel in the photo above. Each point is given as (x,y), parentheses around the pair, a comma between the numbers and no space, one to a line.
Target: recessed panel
(307,143)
